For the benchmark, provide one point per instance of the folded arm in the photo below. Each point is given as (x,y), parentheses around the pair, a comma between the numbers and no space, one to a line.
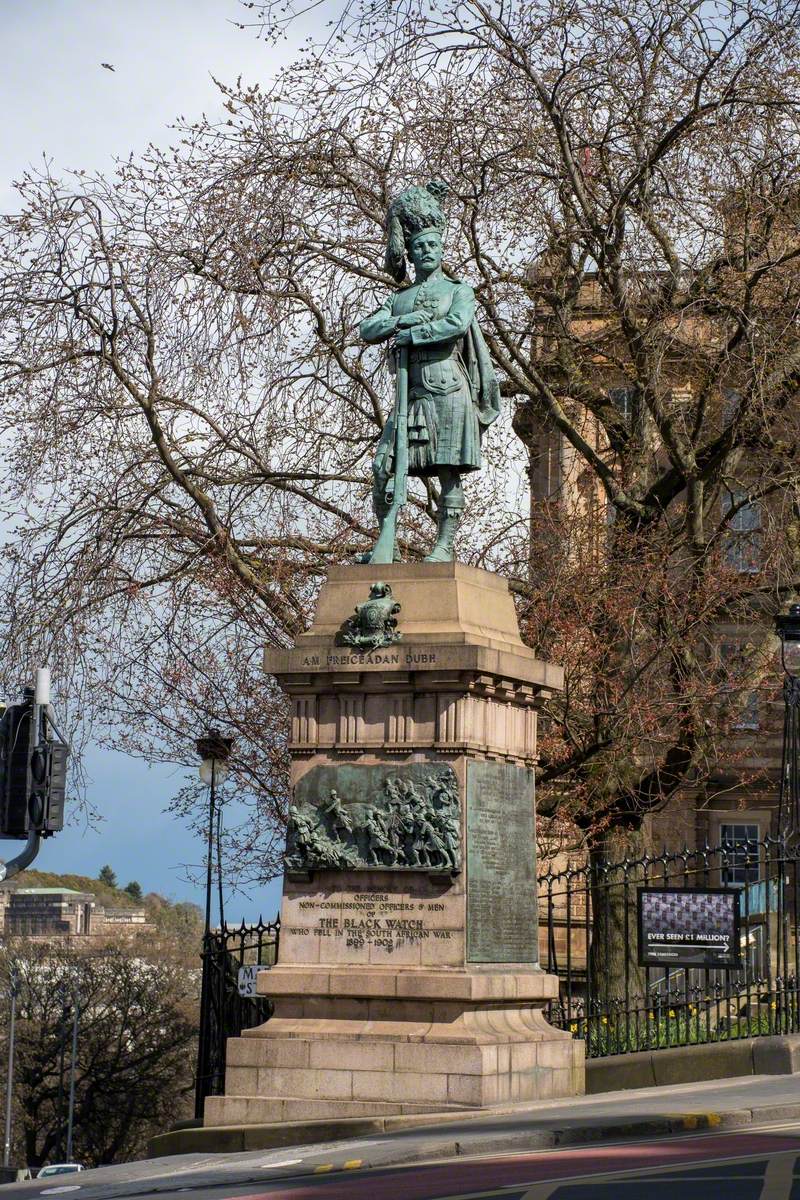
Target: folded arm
(453,325)
(381,325)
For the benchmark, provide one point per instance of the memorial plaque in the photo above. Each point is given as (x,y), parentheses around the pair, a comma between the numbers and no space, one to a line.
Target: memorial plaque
(502,918)
(409,923)
(362,818)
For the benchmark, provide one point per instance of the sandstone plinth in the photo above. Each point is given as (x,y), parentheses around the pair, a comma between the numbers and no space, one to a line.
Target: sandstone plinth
(408,980)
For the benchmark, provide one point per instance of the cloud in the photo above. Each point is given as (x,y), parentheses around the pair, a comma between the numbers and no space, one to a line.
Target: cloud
(164,57)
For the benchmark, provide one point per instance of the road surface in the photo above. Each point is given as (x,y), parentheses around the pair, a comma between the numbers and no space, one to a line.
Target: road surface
(498,1158)
(754,1165)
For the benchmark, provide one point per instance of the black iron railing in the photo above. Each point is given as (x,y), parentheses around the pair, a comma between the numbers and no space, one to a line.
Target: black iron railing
(224,1011)
(589,938)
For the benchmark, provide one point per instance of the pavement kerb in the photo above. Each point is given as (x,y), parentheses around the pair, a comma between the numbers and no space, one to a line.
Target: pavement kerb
(227,1139)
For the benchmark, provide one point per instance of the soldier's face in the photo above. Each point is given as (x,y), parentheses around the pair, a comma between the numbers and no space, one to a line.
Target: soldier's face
(425,251)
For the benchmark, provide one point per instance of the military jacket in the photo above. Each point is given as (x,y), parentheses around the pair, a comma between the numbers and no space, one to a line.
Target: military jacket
(443,426)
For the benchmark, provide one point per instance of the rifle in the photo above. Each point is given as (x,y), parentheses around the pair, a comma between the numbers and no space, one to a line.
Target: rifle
(397,485)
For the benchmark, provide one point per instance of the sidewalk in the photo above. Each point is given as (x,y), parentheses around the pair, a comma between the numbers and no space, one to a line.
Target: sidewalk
(647,1112)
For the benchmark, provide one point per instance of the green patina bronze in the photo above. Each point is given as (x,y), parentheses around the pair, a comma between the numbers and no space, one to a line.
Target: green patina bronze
(374,623)
(368,818)
(502,918)
(447,392)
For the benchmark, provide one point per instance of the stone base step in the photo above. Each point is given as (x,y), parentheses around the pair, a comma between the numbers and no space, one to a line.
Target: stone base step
(369,1075)
(261,1110)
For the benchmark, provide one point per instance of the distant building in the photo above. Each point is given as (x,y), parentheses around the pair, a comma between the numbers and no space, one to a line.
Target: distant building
(40,912)
(33,912)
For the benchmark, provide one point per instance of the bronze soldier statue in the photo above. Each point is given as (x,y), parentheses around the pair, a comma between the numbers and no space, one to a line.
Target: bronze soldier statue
(433,844)
(450,393)
(378,841)
(341,823)
(406,828)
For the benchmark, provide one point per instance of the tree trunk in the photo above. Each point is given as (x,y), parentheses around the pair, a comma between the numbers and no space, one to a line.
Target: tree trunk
(616,982)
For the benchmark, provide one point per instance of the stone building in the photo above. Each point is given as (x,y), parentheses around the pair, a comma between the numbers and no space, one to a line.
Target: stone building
(46,912)
(738,802)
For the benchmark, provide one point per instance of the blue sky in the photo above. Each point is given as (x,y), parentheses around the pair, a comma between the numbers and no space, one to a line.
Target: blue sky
(140,839)
(60,102)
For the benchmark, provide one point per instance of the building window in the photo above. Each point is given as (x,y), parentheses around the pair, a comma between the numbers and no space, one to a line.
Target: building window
(747,716)
(742,544)
(731,399)
(624,401)
(741,864)
(732,667)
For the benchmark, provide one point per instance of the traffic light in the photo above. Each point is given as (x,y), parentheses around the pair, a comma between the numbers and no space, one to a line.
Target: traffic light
(56,787)
(33,773)
(15,755)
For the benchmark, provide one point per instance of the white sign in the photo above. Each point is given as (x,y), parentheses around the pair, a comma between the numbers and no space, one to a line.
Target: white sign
(247,978)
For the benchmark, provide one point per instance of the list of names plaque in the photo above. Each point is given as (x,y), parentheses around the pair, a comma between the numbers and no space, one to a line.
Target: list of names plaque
(502,920)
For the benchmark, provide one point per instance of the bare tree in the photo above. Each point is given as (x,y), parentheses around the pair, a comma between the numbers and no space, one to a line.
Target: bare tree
(137,1025)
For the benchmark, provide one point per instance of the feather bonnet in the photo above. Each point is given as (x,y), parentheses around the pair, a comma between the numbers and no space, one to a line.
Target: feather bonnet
(411,211)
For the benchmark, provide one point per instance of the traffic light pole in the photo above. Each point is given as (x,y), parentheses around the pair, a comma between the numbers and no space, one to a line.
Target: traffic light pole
(24,859)
(41,701)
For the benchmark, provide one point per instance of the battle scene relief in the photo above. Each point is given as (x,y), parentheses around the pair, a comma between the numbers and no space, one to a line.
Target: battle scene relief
(358,818)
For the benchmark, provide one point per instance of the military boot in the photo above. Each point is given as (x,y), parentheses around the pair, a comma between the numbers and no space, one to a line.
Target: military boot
(446,526)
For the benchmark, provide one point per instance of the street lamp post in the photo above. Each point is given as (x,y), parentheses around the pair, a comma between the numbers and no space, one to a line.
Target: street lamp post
(214,751)
(76,1003)
(13,991)
(787,626)
(63,1026)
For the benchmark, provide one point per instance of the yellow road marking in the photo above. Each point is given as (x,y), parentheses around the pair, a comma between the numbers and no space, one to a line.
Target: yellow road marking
(324,1167)
(352,1163)
(708,1120)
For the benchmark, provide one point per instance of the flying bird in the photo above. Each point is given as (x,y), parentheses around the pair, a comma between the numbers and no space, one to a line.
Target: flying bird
(108,66)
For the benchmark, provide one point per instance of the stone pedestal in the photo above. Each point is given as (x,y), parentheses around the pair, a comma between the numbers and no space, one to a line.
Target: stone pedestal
(408,978)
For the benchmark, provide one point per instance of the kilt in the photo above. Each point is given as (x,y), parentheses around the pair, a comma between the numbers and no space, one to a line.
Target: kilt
(443,428)
(443,431)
